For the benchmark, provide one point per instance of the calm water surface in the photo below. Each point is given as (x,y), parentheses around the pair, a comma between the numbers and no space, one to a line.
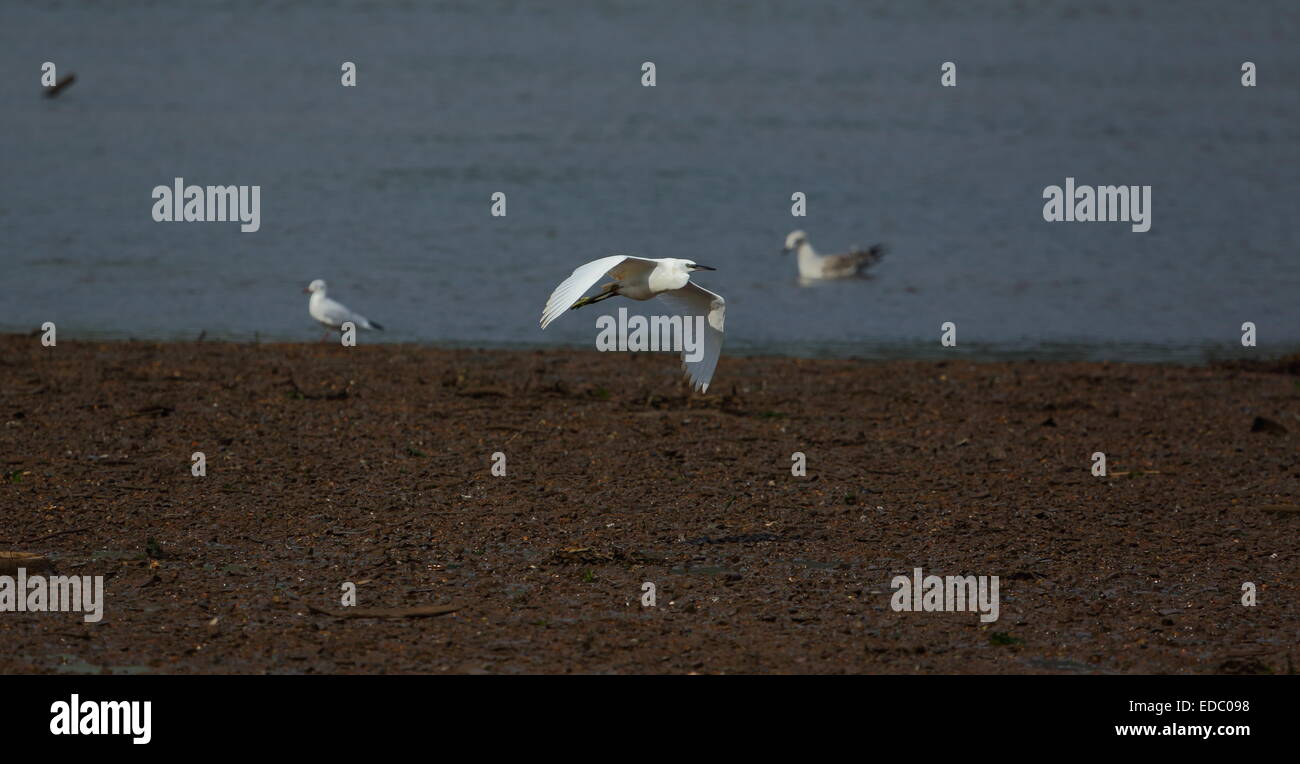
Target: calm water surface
(384,189)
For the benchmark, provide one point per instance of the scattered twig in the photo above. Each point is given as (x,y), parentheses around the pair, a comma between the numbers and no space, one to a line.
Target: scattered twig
(423,611)
(52,535)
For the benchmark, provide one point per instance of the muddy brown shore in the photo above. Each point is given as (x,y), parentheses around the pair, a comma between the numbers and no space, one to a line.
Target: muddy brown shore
(372,465)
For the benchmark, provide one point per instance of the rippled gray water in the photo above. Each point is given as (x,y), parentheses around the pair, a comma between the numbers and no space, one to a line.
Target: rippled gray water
(384,189)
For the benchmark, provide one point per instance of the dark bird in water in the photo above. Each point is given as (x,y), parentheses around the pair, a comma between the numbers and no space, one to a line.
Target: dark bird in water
(58,87)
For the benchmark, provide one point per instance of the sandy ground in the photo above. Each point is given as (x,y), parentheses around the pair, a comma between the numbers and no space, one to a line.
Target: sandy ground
(372,465)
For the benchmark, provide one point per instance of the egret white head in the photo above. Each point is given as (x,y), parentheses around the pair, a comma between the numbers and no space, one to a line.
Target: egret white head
(793,241)
(316,286)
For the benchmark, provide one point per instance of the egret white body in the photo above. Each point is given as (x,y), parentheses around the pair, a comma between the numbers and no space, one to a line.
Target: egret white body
(333,313)
(847,265)
(641,278)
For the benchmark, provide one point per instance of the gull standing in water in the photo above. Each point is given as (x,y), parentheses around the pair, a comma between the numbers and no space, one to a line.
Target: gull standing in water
(333,313)
(641,278)
(815,266)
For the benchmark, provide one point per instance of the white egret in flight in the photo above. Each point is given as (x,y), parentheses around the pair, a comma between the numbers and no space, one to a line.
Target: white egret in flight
(641,278)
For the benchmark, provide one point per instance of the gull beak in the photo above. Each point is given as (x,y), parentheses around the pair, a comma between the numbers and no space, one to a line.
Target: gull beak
(305,290)
(698,267)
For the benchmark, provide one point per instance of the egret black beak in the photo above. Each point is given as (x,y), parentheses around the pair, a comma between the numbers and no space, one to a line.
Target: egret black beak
(785,250)
(698,267)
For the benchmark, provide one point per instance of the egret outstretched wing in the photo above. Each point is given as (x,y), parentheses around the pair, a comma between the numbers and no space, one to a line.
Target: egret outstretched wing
(585,277)
(695,300)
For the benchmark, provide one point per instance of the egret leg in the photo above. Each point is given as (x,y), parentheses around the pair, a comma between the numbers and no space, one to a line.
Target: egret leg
(611,291)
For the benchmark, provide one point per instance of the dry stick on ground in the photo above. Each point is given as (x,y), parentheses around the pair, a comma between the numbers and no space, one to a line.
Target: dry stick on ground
(423,611)
(52,535)
(149,411)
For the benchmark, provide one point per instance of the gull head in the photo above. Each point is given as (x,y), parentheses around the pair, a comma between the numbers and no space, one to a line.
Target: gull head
(793,241)
(316,286)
